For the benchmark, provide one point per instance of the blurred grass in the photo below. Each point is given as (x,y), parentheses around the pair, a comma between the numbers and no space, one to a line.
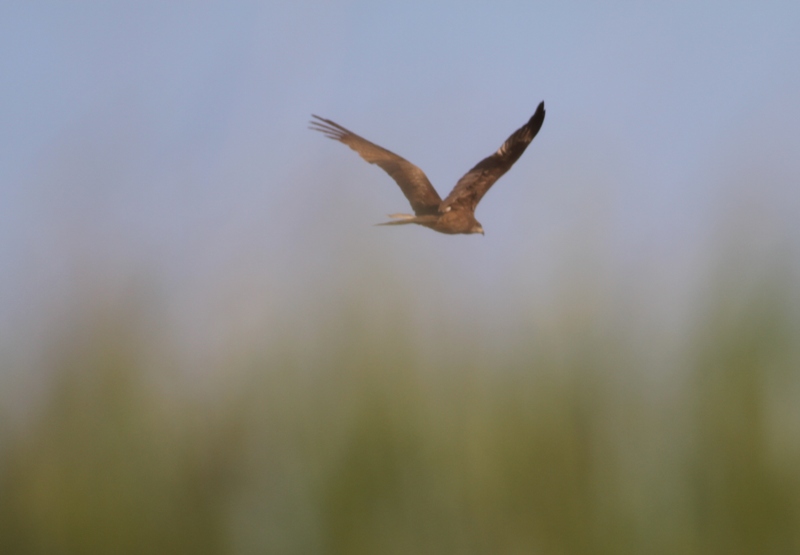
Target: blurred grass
(561,445)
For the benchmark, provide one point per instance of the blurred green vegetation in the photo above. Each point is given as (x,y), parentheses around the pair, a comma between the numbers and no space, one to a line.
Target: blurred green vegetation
(568,443)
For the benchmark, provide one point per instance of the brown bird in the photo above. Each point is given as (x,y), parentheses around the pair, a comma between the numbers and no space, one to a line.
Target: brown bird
(456,213)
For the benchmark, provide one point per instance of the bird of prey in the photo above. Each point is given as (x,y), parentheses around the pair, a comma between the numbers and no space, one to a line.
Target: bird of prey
(456,213)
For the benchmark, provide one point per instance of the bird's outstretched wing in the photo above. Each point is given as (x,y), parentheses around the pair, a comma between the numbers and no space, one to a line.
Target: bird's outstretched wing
(470,189)
(412,181)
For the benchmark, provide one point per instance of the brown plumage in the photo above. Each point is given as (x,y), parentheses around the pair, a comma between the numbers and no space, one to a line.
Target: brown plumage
(456,213)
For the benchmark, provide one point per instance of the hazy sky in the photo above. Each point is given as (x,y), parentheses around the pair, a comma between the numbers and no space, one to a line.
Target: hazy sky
(168,143)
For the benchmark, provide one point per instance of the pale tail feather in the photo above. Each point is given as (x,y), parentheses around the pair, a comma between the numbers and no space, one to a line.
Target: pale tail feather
(401,219)
(428,220)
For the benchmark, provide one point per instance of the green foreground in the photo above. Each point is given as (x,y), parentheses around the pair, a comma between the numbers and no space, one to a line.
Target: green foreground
(574,442)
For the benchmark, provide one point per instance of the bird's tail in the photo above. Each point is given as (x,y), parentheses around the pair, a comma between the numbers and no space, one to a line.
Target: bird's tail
(401,219)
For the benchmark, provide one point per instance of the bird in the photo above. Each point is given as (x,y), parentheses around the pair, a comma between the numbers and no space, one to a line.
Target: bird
(456,213)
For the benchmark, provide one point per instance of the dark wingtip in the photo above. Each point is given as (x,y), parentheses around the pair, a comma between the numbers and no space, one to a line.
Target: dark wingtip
(537,118)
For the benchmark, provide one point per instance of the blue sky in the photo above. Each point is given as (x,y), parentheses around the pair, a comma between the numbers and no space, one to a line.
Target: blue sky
(168,143)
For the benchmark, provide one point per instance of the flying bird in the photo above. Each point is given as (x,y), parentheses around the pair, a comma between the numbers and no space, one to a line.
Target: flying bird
(456,213)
